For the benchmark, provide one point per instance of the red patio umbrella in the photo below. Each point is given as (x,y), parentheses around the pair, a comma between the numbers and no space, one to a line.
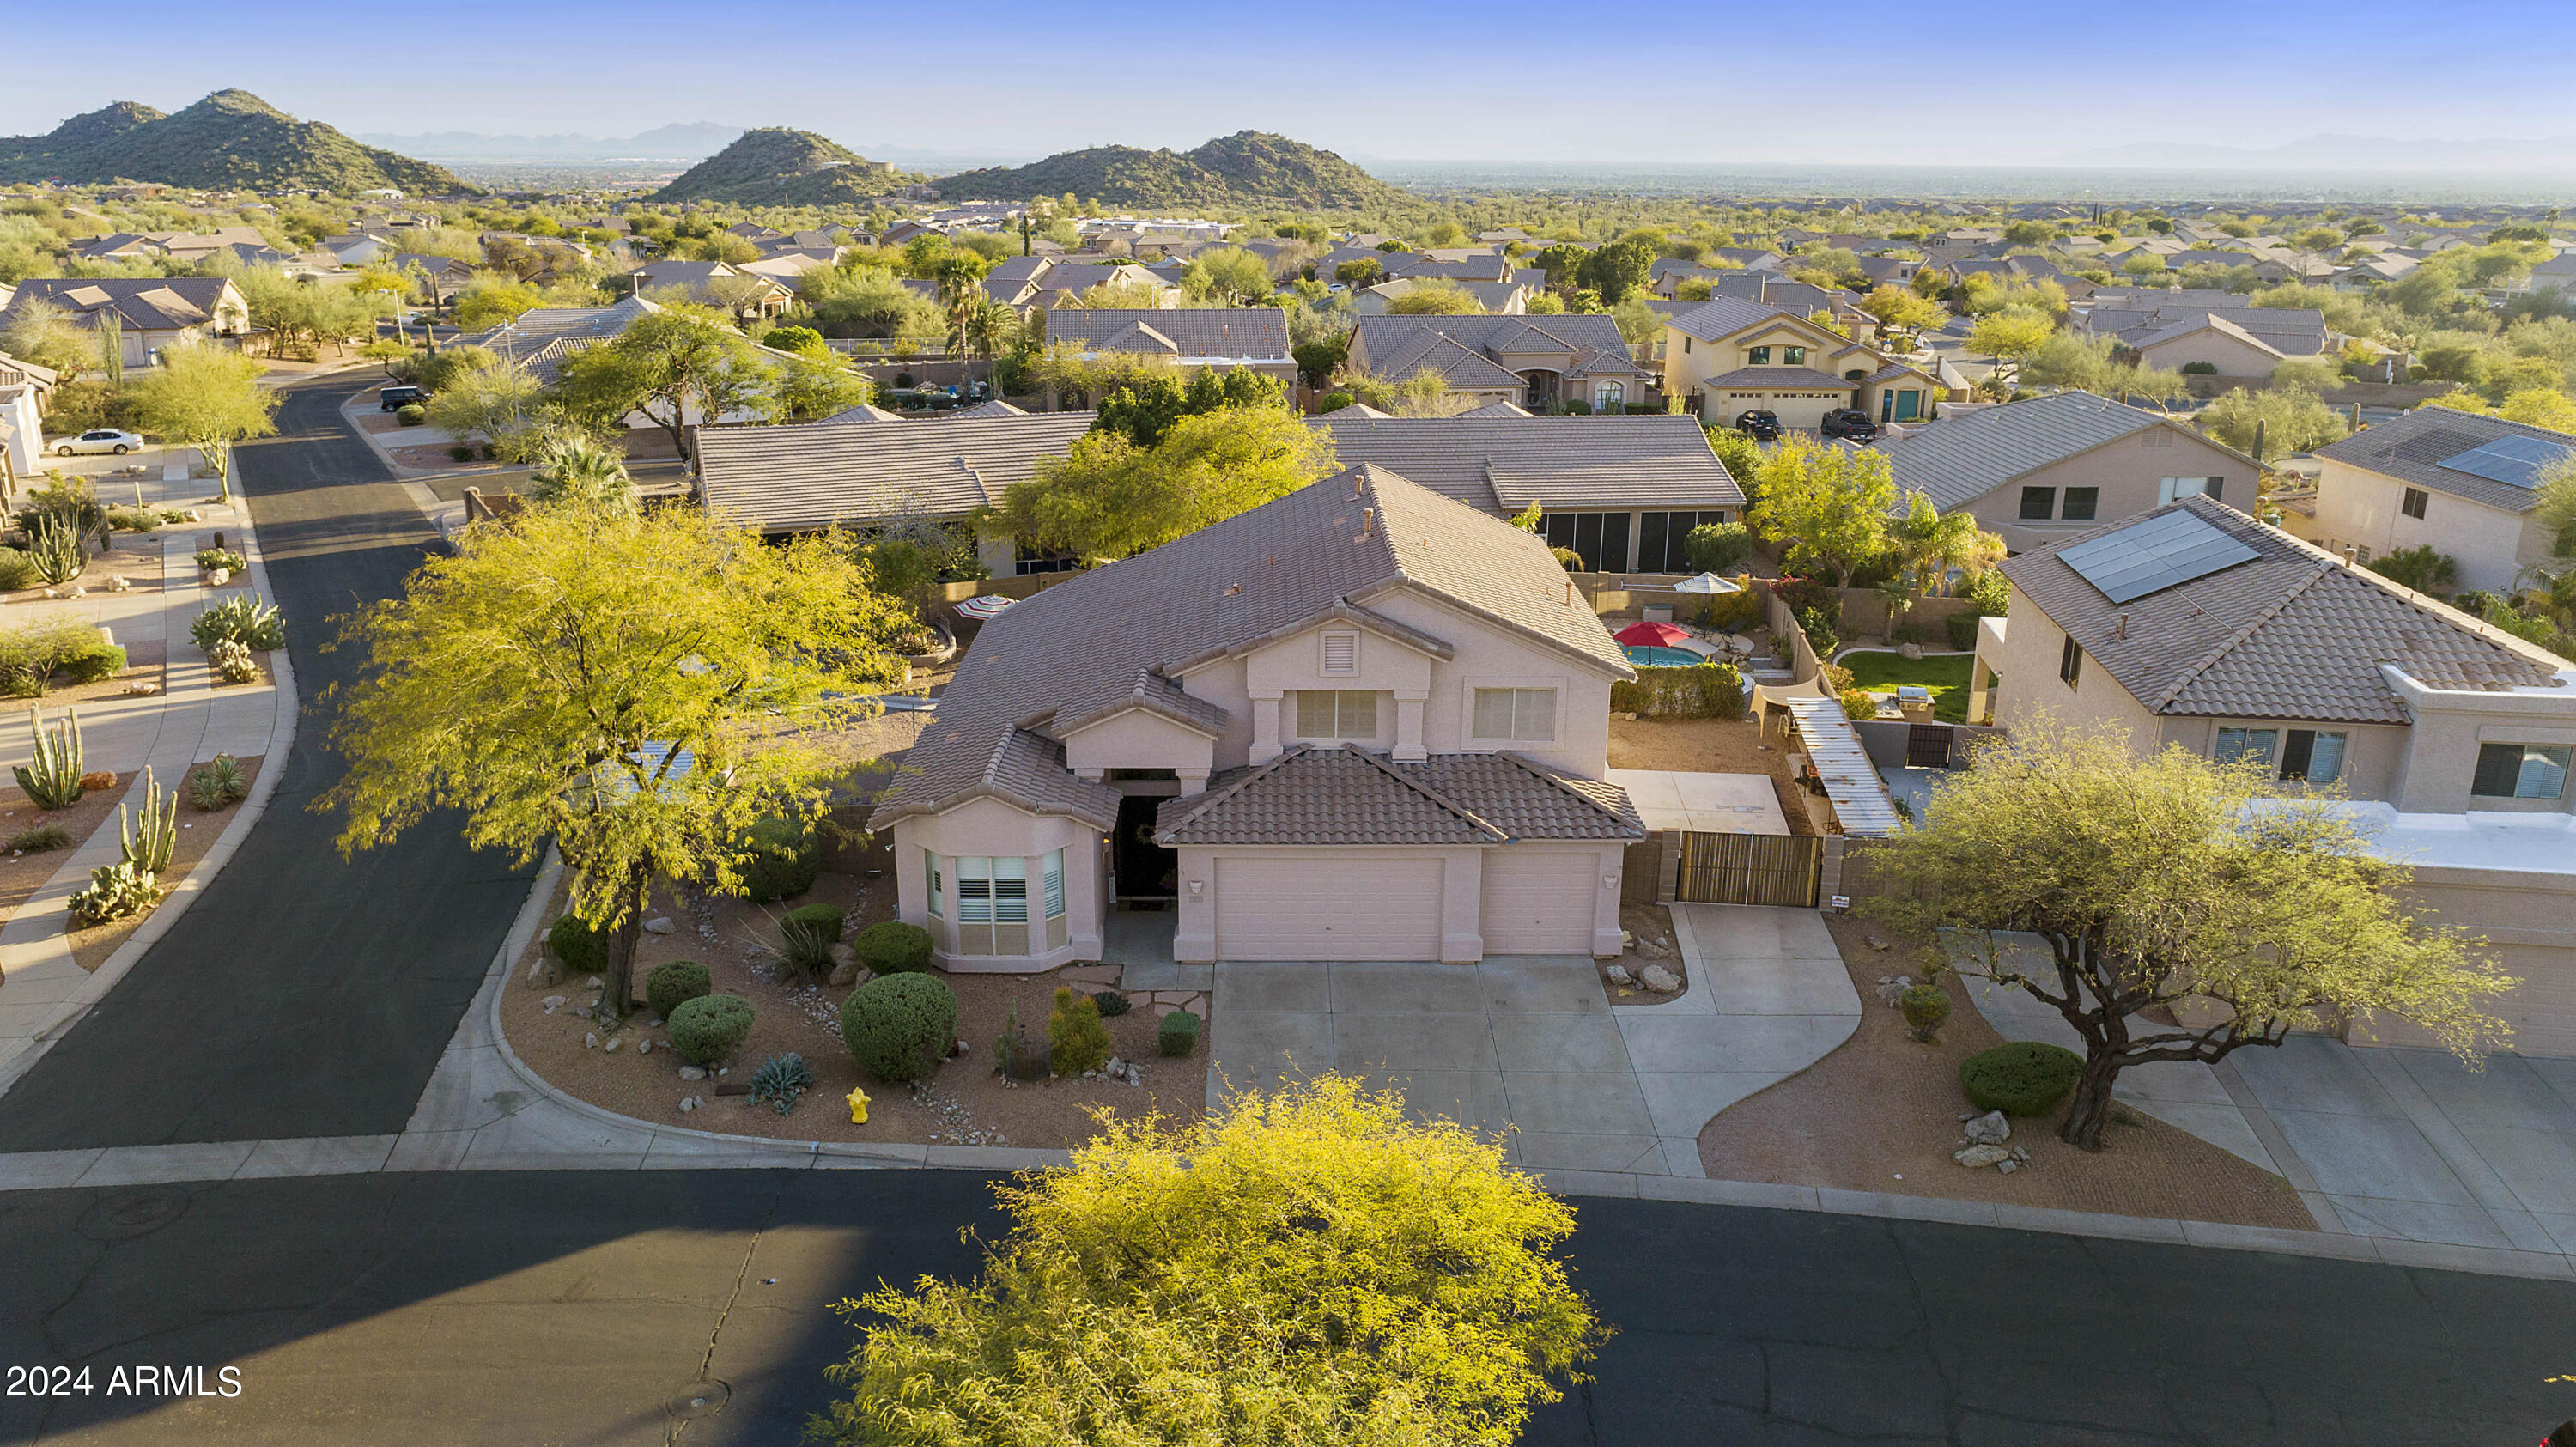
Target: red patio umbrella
(1652,635)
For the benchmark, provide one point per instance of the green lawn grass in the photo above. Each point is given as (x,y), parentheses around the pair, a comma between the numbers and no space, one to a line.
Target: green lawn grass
(1945,674)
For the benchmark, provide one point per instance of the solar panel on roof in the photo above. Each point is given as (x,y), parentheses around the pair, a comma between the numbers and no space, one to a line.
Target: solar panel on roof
(2153,555)
(2513,461)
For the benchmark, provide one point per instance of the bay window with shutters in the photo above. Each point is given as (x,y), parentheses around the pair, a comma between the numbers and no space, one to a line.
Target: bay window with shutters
(991,901)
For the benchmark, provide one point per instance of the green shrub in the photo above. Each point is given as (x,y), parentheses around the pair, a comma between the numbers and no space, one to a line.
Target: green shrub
(1924,1008)
(674,983)
(706,1030)
(1178,1035)
(1857,704)
(2199,369)
(460,453)
(134,519)
(780,859)
(72,501)
(1962,628)
(1076,1040)
(1824,631)
(209,559)
(17,570)
(37,838)
(829,918)
(576,946)
(899,1026)
(1713,547)
(1735,612)
(32,655)
(894,948)
(411,414)
(1703,690)
(1111,1003)
(2022,1078)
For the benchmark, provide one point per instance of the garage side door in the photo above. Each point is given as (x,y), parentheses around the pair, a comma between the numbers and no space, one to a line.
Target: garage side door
(1318,907)
(1538,901)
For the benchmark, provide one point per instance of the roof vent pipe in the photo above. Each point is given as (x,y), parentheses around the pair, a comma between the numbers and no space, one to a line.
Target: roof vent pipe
(1368,521)
(2351,555)
(2121,629)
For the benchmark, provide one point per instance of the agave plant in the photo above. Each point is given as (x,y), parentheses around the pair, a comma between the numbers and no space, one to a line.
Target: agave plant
(782,1080)
(578,468)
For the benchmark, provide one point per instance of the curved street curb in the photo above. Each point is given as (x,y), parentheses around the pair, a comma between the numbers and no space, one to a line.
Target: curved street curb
(893,1155)
(281,738)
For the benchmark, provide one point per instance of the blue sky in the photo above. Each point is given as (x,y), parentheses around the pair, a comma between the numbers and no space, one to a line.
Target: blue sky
(1866,82)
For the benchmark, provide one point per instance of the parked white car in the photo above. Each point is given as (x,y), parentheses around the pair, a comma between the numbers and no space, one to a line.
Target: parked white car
(99,439)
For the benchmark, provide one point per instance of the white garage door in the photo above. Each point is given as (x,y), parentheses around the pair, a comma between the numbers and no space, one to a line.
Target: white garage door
(1538,902)
(1328,907)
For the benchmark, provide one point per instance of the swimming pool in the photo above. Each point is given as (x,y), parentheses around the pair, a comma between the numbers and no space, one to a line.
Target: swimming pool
(1653,657)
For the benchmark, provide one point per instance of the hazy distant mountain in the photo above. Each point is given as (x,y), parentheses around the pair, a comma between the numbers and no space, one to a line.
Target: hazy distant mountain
(1248,168)
(2347,153)
(688,141)
(230,139)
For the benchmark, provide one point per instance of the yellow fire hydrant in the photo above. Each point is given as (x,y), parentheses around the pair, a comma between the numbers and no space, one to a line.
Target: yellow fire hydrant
(858,1106)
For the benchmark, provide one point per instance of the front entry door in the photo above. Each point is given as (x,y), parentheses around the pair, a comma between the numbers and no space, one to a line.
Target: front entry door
(1146,870)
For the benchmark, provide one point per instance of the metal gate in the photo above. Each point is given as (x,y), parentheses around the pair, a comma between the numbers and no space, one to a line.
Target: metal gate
(1927,746)
(1783,869)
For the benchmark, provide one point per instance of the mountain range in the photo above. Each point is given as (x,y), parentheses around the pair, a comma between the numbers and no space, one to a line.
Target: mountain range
(2346,153)
(229,140)
(1249,169)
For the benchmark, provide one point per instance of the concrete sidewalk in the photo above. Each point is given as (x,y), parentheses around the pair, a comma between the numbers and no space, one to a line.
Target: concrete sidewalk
(43,989)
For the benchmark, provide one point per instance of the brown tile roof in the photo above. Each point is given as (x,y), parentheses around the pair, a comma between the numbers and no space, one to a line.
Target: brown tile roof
(1804,379)
(1501,459)
(1348,795)
(2290,634)
(2412,447)
(803,476)
(1078,650)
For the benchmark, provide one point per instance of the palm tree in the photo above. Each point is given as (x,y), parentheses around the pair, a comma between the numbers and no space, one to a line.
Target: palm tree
(1931,543)
(577,468)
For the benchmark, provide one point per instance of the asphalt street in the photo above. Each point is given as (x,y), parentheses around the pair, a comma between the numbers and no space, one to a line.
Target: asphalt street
(585,1308)
(302,994)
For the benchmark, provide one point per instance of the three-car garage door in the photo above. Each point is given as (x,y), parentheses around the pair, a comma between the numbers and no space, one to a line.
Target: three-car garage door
(1538,901)
(1328,907)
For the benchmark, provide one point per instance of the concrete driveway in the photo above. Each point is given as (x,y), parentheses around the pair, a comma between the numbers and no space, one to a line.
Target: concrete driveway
(1532,1047)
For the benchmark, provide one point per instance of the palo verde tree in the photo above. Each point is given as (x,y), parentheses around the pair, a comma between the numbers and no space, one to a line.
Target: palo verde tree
(208,398)
(1109,498)
(640,690)
(2165,882)
(1829,504)
(679,365)
(1306,1267)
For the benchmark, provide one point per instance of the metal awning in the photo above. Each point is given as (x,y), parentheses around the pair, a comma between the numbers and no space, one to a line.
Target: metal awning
(1859,795)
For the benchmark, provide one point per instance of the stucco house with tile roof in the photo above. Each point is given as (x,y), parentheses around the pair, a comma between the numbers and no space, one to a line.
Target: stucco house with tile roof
(2448,741)
(866,467)
(156,312)
(2421,479)
(1731,355)
(1538,363)
(1359,722)
(1188,337)
(1623,492)
(2037,471)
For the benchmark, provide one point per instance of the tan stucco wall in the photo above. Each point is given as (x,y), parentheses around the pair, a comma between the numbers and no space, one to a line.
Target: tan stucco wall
(990,827)
(2442,756)
(2357,506)
(2127,471)
(1138,739)
(2029,685)
(1685,369)
(2374,758)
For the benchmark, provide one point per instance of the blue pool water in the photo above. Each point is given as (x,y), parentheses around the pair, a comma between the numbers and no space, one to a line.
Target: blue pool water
(1653,657)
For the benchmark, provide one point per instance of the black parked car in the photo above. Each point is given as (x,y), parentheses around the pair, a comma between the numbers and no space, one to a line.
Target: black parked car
(1760,426)
(390,398)
(1849,422)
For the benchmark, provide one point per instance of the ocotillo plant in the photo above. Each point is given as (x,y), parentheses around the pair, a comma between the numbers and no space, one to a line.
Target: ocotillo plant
(149,848)
(53,777)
